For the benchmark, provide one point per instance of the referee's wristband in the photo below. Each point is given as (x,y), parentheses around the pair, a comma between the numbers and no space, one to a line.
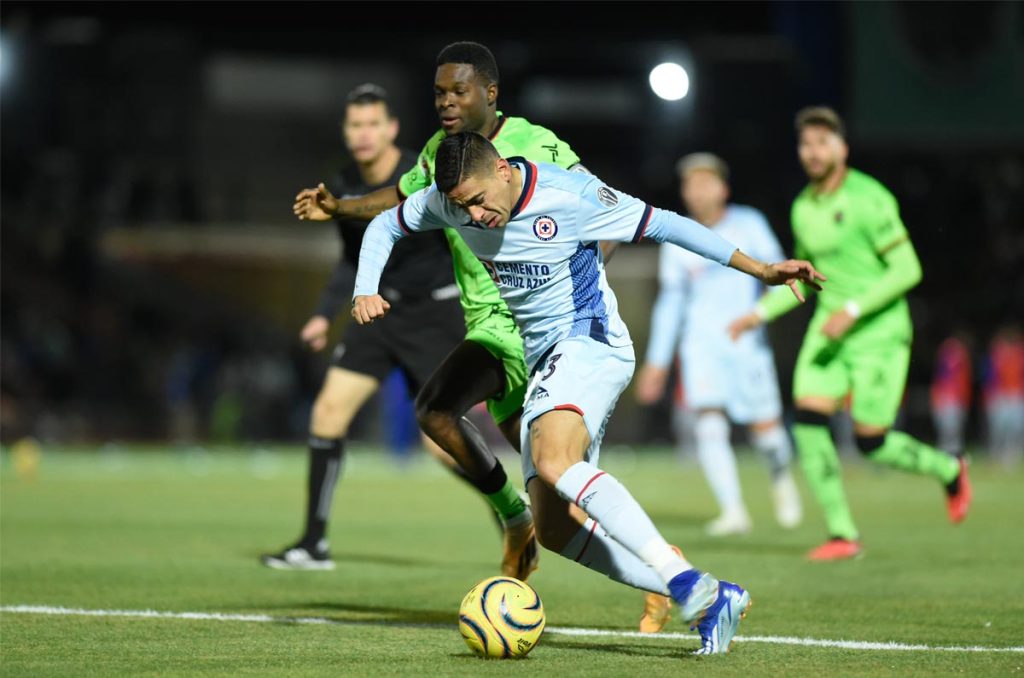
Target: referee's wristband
(852,309)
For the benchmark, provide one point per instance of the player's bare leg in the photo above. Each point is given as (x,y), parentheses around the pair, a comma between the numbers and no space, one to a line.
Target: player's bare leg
(342,395)
(468,376)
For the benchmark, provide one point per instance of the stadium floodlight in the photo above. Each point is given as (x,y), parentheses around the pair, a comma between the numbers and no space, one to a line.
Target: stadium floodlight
(670,81)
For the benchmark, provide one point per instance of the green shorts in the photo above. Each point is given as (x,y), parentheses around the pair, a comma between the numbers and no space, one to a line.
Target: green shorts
(500,336)
(870,364)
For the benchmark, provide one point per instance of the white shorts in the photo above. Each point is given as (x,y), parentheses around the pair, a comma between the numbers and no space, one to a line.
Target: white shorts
(739,379)
(581,375)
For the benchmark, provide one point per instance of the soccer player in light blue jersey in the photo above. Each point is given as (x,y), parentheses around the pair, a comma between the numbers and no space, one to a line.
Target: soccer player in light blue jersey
(696,302)
(536,228)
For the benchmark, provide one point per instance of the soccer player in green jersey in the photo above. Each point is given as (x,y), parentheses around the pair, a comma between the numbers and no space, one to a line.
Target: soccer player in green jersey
(488,364)
(858,342)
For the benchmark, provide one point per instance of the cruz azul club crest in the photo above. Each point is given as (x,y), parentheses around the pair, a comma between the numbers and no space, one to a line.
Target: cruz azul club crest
(545,228)
(489,265)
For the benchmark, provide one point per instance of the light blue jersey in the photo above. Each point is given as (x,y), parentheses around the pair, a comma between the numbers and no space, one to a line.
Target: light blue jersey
(546,261)
(696,302)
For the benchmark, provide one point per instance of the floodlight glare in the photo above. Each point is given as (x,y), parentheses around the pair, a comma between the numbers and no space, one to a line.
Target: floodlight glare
(670,81)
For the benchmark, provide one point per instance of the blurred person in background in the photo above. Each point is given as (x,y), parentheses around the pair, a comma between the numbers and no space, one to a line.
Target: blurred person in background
(426,325)
(858,342)
(723,380)
(1004,395)
(951,392)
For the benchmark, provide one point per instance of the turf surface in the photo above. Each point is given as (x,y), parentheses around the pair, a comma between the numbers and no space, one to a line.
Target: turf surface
(181,530)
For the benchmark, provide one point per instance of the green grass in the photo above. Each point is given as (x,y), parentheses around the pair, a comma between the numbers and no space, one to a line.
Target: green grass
(178,531)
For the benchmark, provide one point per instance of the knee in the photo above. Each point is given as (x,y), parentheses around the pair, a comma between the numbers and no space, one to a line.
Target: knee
(329,420)
(550,467)
(711,427)
(811,418)
(432,419)
(868,444)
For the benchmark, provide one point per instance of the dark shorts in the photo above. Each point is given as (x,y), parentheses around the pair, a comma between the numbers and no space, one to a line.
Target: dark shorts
(415,336)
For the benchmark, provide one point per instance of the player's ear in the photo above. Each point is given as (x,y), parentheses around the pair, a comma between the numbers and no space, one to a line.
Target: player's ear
(492,94)
(503,168)
(844,149)
(392,130)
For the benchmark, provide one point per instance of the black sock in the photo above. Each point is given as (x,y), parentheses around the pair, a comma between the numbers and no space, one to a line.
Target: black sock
(325,457)
(492,482)
(954,486)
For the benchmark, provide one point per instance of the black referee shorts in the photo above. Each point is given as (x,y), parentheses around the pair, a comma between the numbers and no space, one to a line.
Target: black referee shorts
(415,335)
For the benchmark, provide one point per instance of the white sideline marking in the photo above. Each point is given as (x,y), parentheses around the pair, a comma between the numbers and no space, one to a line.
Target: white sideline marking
(557,630)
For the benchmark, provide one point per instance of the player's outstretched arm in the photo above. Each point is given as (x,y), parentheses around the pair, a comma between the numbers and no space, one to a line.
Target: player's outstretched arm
(318,204)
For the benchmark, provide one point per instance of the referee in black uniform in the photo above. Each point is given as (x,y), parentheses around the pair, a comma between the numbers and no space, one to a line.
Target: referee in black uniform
(424,325)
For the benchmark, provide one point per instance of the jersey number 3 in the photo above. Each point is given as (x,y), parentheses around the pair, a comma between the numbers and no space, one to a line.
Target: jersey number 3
(551,366)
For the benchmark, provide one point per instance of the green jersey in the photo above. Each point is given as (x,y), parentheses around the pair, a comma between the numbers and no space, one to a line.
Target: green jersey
(512,137)
(848,235)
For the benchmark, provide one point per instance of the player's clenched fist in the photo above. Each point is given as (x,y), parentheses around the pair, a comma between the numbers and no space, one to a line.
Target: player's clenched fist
(367,308)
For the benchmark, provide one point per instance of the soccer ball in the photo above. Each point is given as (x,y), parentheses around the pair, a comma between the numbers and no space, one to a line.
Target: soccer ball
(501,617)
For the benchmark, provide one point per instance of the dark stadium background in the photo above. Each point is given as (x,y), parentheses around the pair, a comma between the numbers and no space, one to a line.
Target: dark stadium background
(154,280)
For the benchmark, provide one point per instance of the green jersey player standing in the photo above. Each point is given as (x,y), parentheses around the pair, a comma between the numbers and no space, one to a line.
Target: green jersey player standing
(489,364)
(858,342)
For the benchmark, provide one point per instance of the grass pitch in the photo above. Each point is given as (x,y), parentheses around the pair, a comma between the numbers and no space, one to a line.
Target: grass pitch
(181,531)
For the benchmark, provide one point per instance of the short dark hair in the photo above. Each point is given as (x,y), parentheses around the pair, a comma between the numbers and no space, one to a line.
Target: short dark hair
(460,156)
(369,93)
(474,54)
(820,116)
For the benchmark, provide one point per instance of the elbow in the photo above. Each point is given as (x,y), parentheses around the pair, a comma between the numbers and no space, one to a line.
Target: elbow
(914,274)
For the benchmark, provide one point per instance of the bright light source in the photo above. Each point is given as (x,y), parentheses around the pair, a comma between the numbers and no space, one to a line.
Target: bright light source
(670,81)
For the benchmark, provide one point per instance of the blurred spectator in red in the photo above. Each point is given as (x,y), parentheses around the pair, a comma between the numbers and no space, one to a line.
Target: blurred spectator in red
(1004,395)
(951,392)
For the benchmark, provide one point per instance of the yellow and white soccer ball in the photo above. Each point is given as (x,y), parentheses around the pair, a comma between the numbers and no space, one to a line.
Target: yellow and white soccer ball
(501,617)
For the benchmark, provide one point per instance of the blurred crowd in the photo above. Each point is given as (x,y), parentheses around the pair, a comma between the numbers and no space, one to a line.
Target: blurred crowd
(998,374)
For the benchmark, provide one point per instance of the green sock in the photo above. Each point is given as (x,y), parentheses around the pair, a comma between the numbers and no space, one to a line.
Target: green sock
(909,454)
(507,502)
(820,462)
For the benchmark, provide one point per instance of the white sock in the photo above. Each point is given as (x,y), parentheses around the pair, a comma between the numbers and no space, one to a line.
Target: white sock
(609,503)
(718,461)
(594,549)
(776,448)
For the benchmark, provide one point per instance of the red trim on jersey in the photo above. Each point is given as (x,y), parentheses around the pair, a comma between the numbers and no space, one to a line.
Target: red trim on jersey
(642,226)
(401,219)
(580,495)
(570,407)
(529,183)
(587,542)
